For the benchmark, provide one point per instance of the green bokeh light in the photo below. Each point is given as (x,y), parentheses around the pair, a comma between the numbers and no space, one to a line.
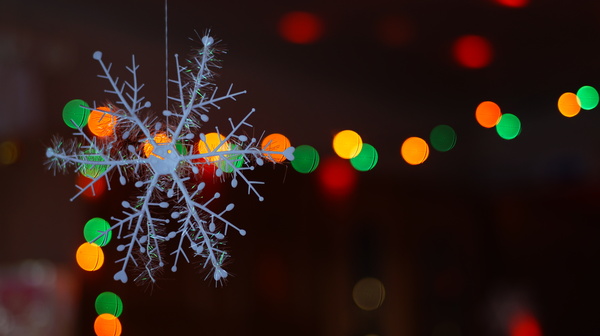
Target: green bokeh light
(306,159)
(588,97)
(109,303)
(509,126)
(90,170)
(442,138)
(366,159)
(74,115)
(93,228)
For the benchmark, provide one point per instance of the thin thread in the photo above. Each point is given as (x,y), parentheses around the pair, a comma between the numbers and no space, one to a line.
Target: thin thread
(166,59)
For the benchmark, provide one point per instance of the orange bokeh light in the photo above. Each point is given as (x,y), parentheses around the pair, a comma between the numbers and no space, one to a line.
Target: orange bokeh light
(276,142)
(107,325)
(89,256)
(488,114)
(473,51)
(300,27)
(569,105)
(414,150)
(100,123)
(160,138)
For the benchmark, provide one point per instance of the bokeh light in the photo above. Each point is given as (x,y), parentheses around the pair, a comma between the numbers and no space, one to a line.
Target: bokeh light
(9,152)
(94,228)
(107,325)
(472,51)
(488,114)
(442,138)
(568,104)
(100,123)
(588,97)
(524,324)
(159,138)
(414,150)
(306,159)
(210,143)
(300,27)
(90,170)
(368,293)
(74,115)
(509,126)
(366,159)
(347,144)
(99,187)
(109,303)
(278,143)
(337,177)
(513,3)
(89,257)
(230,162)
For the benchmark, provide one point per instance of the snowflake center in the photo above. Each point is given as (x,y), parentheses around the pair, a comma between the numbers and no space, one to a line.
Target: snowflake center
(164,159)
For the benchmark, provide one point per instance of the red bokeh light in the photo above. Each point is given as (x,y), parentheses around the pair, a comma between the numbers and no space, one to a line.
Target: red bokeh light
(525,324)
(99,187)
(300,27)
(473,51)
(337,177)
(513,3)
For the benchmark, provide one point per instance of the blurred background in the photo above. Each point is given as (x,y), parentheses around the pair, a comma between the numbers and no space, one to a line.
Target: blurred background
(489,237)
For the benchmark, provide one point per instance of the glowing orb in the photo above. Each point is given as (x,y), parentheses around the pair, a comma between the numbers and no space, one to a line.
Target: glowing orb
(368,293)
(102,124)
(568,104)
(107,325)
(347,144)
(74,115)
(488,114)
(275,142)
(588,97)
(509,126)
(211,142)
(94,228)
(414,150)
(442,138)
(306,159)
(300,27)
(473,51)
(89,256)
(366,159)
(109,303)
(90,170)
(160,138)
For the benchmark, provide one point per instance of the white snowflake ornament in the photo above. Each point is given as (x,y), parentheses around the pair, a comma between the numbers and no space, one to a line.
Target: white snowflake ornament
(161,158)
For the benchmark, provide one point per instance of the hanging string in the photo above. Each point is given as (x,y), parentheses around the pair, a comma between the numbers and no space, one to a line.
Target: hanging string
(166,59)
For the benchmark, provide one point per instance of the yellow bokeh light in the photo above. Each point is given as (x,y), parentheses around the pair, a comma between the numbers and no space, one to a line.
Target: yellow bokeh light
(160,138)
(100,123)
(9,152)
(414,150)
(278,143)
(213,140)
(488,114)
(347,144)
(569,105)
(89,256)
(107,325)
(368,293)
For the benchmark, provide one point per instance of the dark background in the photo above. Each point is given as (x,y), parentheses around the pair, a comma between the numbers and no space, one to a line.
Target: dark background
(462,243)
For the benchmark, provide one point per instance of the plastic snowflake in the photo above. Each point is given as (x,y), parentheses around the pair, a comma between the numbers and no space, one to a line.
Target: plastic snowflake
(161,158)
